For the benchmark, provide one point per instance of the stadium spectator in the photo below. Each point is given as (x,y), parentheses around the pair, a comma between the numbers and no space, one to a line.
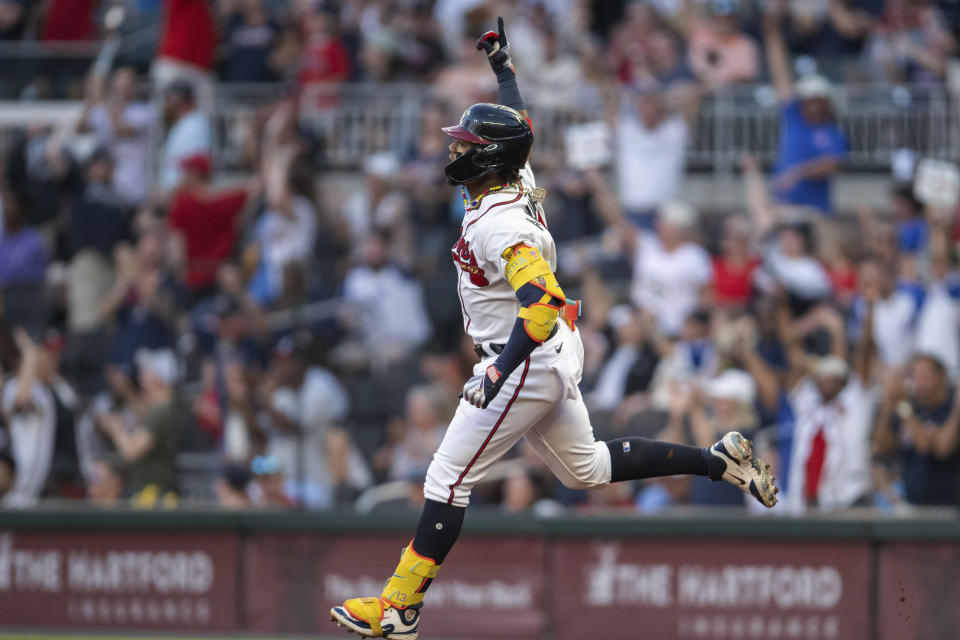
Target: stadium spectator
(23,262)
(141,304)
(189,134)
(232,486)
(242,437)
(556,81)
(894,312)
(267,486)
(8,467)
(38,406)
(105,484)
(719,53)
(376,284)
(101,219)
(631,363)
(651,144)
(919,420)
(122,125)
(422,54)
(13,18)
(412,441)
(787,246)
(149,449)
(251,34)
(303,405)
(324,58)
(833,408)
(734,265)
(121,401)
(671,273)
(185,52)
(912,43)
(43,173)
(812,147)
(205,223)
(725,403)
(467,78)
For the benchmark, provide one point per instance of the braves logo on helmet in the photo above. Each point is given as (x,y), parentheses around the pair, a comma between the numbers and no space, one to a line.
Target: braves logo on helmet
(464,256)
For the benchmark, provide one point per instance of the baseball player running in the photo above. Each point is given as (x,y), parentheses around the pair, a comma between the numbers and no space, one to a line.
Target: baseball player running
(531,362)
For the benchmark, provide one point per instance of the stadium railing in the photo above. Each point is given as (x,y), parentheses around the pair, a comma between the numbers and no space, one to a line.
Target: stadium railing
(355,120)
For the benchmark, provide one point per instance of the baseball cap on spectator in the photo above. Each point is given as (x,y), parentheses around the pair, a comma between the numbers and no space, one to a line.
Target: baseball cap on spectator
(161,364)
(813,86)
(733,384)
(678,215)
(236,476)
(199,163)
(264,466)
(830,367)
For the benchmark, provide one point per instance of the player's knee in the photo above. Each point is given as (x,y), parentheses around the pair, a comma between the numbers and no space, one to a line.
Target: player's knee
(441,485)
(582,481)
(590,471)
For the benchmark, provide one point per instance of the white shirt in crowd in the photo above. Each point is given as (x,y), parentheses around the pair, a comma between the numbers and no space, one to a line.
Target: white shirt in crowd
(389,291)
(284,239)
(802,276)
(650,162)
(893,324)
(846,422)
(668,283)
(936,327)
(32,435)
(319,403)
(188,136)
(131,152)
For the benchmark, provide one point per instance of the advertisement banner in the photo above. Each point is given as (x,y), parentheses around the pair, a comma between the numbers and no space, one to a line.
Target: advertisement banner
(919,591)
(488,587)
(158,581)
(710,591)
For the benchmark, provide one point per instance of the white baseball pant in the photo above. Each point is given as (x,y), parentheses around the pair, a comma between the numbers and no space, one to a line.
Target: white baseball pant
(540,401)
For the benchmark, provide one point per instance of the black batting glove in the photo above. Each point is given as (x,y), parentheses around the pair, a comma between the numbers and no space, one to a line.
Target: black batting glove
(498,50)
(482,394)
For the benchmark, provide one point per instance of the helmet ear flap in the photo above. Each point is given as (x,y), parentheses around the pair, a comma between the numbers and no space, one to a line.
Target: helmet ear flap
(465,168)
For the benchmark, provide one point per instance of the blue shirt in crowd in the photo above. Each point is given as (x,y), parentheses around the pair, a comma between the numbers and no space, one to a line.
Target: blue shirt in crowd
(801,142)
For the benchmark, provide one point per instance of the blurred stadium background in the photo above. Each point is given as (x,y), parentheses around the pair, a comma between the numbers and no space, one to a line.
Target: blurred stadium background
(230,338)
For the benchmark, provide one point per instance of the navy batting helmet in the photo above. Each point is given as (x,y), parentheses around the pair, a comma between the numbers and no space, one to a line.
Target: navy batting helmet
(503,136)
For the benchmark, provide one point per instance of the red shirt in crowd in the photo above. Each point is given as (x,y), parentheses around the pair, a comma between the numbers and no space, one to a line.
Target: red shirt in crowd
(732,284)
(189,32)
(208,222)
(324,60)
(69,20)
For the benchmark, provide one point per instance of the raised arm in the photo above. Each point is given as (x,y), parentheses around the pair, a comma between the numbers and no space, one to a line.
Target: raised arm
(778,60)
(498,54)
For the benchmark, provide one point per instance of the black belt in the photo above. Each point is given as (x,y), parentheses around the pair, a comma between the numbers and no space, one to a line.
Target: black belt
(498,348)
(482,353)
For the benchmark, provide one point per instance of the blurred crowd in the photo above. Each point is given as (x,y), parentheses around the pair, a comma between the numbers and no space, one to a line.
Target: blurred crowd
(714,43)
(298,332)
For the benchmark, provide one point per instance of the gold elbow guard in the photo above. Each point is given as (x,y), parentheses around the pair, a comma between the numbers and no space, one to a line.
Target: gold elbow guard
(539,319)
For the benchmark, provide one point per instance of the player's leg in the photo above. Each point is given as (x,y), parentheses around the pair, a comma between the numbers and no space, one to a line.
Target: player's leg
(475,440)
(564,440)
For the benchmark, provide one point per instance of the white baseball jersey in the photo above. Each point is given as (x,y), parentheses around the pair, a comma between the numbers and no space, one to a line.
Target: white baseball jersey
(539,400)
(502,219)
